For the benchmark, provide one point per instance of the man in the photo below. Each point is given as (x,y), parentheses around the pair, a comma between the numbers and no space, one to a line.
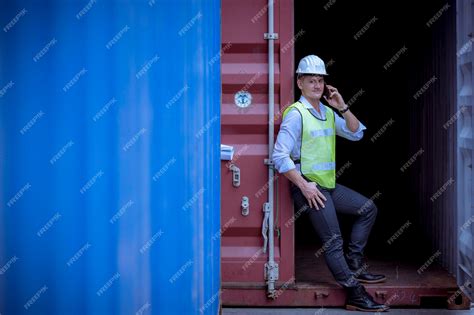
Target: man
(305,153)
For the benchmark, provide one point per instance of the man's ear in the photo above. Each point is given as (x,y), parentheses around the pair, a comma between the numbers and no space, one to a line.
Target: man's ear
(300,83)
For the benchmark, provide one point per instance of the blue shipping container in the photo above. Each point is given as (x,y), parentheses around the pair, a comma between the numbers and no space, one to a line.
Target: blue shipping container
(109,157)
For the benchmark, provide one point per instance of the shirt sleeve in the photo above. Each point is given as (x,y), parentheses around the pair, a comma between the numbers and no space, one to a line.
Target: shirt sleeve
(343,131)
(290,131)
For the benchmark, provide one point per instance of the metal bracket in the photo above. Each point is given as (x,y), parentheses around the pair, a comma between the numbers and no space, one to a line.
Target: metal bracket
(268,162)
(321,294)
(270,36)
(271,272)
(381,294)
(245,206)
(235,175)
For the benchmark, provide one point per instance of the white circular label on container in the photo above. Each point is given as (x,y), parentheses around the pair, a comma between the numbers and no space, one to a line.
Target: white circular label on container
(243,99)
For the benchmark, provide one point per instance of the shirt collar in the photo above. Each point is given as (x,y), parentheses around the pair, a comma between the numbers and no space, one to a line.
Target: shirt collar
(307,104)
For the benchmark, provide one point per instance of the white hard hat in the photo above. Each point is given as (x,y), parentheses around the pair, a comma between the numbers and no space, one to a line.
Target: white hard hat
(311,64)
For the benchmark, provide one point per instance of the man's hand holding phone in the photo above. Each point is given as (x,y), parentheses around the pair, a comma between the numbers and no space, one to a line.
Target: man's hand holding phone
(333,97)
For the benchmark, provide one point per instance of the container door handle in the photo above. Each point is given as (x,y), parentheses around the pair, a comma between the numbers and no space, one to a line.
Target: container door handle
(266,217)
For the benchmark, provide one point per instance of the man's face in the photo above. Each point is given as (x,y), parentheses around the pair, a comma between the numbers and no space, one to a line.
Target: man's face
(311,86)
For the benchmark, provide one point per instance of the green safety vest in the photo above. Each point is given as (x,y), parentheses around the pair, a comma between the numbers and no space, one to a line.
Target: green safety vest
(318,146)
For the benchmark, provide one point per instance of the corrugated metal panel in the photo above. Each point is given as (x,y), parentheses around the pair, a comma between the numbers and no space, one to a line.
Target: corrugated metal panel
(436,194)
(109,157)
(245,68)
(464,108)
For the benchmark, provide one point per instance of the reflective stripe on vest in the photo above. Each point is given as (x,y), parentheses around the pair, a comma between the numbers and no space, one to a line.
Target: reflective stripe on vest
(318,146)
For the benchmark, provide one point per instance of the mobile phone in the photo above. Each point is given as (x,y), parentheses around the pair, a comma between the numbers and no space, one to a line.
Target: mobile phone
(326,91)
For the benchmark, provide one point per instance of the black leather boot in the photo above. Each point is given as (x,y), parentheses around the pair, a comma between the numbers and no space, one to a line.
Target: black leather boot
(360,272)
(357,299)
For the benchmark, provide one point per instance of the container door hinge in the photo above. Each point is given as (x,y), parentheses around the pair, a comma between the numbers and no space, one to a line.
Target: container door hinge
(271,274)
(270,36)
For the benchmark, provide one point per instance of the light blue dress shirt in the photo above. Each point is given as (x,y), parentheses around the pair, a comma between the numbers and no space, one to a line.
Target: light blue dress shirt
(288,144)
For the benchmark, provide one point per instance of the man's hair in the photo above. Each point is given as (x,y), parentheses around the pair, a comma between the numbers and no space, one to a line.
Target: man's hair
(302,75)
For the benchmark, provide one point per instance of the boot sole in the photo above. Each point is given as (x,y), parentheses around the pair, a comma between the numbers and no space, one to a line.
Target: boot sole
(356,308)
(371,281)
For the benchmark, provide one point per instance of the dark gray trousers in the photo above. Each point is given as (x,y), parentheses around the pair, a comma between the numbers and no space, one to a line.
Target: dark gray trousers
(341,200)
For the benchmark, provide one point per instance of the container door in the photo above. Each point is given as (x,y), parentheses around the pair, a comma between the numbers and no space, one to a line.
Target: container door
(244,125)
(465,58)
